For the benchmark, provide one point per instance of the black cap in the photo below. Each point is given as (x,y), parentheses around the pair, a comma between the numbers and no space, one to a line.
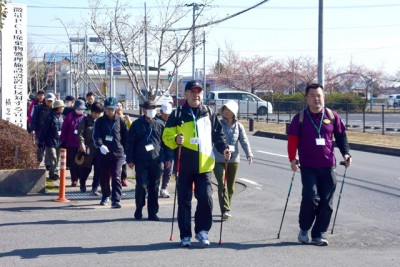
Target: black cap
(148,104)
(193,84)
(69,98)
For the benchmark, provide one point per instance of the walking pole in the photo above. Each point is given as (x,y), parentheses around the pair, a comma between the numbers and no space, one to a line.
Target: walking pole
(340,195)
(287,200)
(176,185)
(223,195)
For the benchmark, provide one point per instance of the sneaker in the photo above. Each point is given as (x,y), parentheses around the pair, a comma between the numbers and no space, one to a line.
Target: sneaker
(320,241)
(104,201)
(116,204)
(138,214)
(185,242)
(203,238)
(164,193)
(74,184)
(226,215)
(83,188)
(124,183)
(54,177)
(95,192)
(303,236)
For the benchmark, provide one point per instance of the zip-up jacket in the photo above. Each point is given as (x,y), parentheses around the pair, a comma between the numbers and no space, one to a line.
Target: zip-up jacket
(51,129)
(69,130)
(143,133)
(203,125)
(116,128)
(40,113)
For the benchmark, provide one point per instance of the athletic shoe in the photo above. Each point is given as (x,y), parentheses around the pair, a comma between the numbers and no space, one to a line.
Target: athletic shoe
(116,204)
(226,215)
(153,218)
(320,241)
(95,192)
(203,238)
(138,214)
(164,193)
(185,242)
(74,184)
(124,183)
(104,201)
(303,236)
(54,177)
(83,188)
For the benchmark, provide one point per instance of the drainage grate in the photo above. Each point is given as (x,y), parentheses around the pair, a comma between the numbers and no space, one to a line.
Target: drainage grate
(78,195)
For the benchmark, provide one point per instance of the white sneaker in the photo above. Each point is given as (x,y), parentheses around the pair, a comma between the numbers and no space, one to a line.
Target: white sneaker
(203,238)
(164,193)
(303,237)
(185,242)
(226,215)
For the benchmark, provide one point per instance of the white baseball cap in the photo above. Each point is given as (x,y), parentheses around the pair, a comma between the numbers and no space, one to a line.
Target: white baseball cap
(166,108)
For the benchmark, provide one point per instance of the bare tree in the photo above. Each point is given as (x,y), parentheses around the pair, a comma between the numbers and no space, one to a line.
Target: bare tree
(165,43)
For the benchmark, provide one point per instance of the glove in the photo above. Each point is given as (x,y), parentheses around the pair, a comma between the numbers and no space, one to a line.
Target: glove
(104,150)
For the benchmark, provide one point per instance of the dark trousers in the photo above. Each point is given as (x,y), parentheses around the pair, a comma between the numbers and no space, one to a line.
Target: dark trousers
(316,207)
(203,194)
(166,175)
(73,167)
(110,168)
(83,175)
(96,178)
(148,175)
(124,174)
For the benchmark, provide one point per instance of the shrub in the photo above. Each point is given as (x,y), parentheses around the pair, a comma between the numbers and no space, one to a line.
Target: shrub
(12,138)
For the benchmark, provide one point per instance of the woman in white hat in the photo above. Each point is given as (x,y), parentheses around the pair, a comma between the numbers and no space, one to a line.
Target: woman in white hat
(235,134)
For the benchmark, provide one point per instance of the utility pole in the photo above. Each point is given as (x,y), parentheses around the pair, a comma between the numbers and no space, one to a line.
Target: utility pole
(70,67)
(85,54)
(204,62)
(219,60)
(320,43)
(176,71)
(195,7)
(111,64)
(55,76)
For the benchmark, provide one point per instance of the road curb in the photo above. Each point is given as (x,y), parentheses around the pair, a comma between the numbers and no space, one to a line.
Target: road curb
(354,146)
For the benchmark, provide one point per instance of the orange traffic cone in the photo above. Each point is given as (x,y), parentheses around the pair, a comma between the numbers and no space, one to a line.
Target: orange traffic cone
(63,168)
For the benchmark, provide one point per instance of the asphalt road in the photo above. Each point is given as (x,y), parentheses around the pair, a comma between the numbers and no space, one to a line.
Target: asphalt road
(35,231)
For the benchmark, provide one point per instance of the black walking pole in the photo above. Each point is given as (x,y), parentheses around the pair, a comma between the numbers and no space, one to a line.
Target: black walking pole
(287,200)
(178,165)
(340,195)
(223,195)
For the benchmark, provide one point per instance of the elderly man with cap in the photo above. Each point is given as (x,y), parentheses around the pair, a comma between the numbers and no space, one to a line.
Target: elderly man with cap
(144,153)
(193,129)
(50,137)
(69,105)
(109,136)
(165,111)
(235,134)
(40,113)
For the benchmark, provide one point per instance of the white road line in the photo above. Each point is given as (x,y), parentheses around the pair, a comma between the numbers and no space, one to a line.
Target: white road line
(273,154)
(251,182)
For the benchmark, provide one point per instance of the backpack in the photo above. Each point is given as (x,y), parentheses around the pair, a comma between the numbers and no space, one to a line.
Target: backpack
(178,113)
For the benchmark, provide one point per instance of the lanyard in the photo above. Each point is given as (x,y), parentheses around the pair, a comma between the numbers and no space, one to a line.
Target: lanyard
(194,122)
(148,136)
(229,132)
(320,124)
(112,127)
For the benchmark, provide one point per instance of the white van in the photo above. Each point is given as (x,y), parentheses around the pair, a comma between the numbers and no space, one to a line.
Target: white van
(248,103)
(393,101)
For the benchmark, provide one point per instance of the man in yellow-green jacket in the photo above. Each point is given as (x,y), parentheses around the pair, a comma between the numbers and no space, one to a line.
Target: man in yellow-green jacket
(196,129)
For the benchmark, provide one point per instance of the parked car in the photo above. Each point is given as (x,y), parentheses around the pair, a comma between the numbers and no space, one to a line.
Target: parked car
(393,100)
(248,103)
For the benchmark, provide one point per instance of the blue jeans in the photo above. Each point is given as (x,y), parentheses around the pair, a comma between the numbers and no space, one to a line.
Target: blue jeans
(316,207)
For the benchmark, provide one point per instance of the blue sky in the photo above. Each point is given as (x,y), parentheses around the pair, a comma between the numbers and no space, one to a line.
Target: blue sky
(364,32)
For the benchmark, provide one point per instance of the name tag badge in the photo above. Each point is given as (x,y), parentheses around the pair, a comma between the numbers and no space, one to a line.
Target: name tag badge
(232,148)
(109,138)
(87,150)
(320,141)
(76,132)
(149,147)
(194,141)
(59,133)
